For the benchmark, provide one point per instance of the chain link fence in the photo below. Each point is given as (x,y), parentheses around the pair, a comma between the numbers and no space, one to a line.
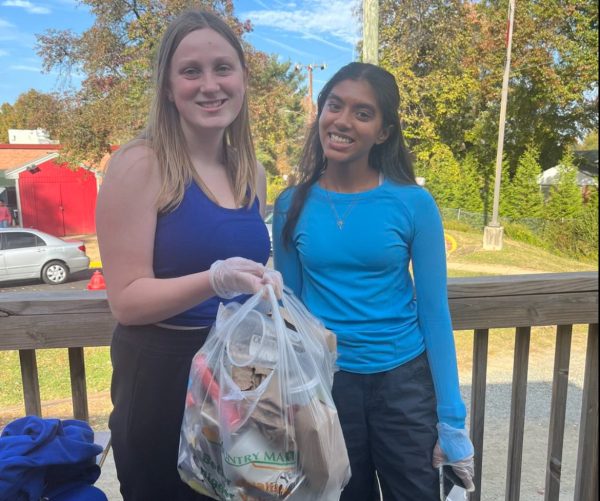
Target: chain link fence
(572,236)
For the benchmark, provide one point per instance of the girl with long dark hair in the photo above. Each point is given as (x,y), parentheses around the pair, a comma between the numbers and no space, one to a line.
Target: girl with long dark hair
(363,246)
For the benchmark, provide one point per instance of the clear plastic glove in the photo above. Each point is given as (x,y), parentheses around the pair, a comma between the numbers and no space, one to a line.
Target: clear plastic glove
(454,448)
(234,276)
(274,278)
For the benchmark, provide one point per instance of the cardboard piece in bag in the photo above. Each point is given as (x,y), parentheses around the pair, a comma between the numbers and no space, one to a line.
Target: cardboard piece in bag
(329,337)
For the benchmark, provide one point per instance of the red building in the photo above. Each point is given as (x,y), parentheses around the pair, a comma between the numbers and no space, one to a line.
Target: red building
(48,195)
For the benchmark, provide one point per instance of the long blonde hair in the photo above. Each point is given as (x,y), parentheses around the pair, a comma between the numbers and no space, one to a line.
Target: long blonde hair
(164,134)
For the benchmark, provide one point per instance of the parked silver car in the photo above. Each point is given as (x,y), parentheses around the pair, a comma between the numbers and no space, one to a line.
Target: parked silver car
(26,253)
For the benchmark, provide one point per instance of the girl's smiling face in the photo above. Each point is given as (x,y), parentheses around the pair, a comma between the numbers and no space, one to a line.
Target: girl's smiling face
(207,82)
(351,123)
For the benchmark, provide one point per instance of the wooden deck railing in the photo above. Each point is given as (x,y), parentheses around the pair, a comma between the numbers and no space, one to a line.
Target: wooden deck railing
(74,320)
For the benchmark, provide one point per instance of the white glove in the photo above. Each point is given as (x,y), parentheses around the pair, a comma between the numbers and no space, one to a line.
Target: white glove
(234,276)
(274,278)
(464,468)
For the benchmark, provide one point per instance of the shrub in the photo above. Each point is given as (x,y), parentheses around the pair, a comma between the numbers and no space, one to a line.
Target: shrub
(524,234)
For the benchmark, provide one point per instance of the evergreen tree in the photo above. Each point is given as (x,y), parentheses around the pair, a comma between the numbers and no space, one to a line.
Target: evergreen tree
(443,177)
(589,221)
(526,199)
(565,200)
(470,185)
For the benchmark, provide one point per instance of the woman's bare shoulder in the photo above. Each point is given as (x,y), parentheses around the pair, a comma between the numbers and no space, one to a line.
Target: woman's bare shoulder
(133,158)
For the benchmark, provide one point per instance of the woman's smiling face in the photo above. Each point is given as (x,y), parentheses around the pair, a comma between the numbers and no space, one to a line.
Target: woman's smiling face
(207,82)
(351,123)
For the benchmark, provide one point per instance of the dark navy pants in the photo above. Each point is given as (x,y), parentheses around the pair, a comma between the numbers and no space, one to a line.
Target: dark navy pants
(389,424)
(151,368)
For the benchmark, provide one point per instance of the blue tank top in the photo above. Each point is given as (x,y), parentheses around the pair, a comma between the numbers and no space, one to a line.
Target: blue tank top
(198,232)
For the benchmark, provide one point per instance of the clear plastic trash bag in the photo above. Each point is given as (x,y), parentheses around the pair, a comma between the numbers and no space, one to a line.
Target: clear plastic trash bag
(260,423)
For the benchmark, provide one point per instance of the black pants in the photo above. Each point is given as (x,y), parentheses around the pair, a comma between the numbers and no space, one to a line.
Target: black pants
(150,376)
(389,424)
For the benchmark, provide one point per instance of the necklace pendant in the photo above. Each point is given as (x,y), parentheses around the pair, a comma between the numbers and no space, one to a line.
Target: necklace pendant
(340,224)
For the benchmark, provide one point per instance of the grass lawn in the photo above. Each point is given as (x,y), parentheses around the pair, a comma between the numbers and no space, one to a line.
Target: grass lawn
(514,254)
(467,260)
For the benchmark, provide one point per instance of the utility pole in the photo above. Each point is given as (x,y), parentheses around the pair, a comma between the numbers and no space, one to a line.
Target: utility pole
(310,68)
(370,49)
(492,234)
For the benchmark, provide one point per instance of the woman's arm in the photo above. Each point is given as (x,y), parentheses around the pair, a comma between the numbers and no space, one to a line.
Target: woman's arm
(285,257)
(126,217)
(429,268)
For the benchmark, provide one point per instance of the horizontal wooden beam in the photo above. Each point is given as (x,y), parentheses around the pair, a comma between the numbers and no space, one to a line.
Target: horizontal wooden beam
(56,331)
(82,318)
(523,311)
(511,285)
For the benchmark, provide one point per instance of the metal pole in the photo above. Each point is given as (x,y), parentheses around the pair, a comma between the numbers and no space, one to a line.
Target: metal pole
(370,31)
(503,102)
(493,233)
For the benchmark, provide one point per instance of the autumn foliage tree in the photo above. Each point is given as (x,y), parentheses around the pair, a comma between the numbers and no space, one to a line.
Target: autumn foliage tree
(448,57)
(31,110)
(116,55)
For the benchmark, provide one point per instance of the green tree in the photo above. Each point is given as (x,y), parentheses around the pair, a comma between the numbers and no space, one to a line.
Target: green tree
(448,57)
(275,185)
(589,222)
(565,200)
(116,54)
(590,142)
(470,185)
(32,110)
(7,118)
(526,199)
(554,74)
(443,177)
(277,115)
(425,45)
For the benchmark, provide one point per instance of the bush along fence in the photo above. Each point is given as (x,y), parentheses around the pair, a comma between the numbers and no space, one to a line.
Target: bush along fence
(572,236)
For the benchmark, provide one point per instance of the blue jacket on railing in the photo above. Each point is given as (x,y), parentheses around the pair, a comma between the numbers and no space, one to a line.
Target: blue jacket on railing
(48,458)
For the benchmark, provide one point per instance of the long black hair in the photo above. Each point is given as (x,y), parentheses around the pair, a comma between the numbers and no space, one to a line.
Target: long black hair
(390,157)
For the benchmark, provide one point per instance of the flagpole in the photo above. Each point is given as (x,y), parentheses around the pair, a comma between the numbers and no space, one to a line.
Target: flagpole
(492,234)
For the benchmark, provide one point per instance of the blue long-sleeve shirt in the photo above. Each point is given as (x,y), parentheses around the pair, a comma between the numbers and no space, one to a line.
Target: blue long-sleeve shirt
(357,280)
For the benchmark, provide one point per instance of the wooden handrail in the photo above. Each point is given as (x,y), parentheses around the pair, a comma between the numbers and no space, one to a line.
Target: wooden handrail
(73,320)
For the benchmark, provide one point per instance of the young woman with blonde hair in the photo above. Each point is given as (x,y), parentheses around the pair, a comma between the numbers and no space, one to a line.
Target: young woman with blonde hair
(180,229)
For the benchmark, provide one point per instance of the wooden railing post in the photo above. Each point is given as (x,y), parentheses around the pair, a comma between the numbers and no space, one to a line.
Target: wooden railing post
(586,480)
(31,383)
(517,414)
(78,386)
(558,406)
(478,386)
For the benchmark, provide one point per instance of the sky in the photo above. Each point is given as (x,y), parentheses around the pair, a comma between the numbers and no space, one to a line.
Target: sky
(304,32)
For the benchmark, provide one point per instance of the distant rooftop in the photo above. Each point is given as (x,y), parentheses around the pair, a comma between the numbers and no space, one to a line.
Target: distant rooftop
(29,136)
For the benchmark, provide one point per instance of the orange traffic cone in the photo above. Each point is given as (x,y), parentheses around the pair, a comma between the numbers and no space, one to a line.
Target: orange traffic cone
(96,282)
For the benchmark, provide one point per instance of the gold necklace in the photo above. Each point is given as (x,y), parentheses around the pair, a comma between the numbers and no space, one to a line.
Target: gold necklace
(340,220)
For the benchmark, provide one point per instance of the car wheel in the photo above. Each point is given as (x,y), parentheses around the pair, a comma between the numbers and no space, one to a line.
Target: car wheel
(55,272)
